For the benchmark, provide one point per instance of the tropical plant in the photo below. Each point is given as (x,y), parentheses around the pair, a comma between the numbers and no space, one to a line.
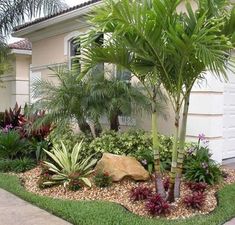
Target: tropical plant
(163,46)
(197,187)
(194,200)
(13,116)
(117,96)
(87,99)
(69,166)
(140,193)
(65,101)
(12,146)
(102,179)
(156,205)
(16,165)
(200,167)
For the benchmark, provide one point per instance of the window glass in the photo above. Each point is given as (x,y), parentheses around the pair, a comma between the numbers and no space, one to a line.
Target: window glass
(74,50)
(123,74)
(99,69)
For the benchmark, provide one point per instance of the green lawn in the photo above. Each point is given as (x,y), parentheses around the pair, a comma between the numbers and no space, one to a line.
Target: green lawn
(104,213)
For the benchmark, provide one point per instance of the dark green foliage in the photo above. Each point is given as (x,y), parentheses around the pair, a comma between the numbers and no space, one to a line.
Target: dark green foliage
(200,167)
(16,165)
(102,179)
(12,146)
(39,147)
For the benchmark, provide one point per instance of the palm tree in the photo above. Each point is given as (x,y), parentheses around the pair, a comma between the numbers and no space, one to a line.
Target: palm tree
(164,47)
(113,97)
(15,12)
(65,102)
(86,100)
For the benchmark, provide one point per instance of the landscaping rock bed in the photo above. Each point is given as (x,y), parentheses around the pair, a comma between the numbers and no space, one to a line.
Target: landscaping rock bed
(120,193)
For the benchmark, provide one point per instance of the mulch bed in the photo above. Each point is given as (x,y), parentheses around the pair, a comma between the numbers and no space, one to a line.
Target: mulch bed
(120,193)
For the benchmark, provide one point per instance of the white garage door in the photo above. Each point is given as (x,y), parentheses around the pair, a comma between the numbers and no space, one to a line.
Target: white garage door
(229,118)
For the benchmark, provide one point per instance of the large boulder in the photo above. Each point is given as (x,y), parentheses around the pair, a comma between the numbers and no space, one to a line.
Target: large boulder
(119,167)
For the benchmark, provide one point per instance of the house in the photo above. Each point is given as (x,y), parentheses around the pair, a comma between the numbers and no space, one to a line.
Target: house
(16,81)
(212,109)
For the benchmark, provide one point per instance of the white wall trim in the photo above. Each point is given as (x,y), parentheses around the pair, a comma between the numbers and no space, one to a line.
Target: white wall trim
(21,51)
(67,38)
(46,66)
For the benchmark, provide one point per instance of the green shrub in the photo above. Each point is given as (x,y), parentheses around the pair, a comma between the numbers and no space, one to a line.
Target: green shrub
(38,149)
(136,143)
(17,165)
(12,146)
(69,138)
(200,167)
(102,179)
(69,165)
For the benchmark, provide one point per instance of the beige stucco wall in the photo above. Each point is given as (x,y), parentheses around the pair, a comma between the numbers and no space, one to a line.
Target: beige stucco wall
(15,87)
(48,51)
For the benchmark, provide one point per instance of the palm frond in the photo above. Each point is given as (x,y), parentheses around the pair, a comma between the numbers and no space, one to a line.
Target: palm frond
(13,13)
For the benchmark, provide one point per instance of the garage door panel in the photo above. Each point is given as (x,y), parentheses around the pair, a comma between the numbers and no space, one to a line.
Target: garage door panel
(229,118)
(229,133)
(229,122)
(229,100)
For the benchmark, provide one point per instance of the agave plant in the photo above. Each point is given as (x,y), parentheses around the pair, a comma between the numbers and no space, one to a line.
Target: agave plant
(68,164)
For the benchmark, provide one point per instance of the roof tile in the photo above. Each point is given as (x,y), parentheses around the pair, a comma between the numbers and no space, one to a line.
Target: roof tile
(24,44)
(56,14)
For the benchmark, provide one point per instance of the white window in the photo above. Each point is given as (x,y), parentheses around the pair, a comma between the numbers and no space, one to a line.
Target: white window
(74,52)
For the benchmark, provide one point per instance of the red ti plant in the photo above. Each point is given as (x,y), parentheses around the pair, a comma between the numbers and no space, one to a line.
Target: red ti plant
(197,187)
(195,200)
(140,193)
(156,205)
(29,131)
(12,116)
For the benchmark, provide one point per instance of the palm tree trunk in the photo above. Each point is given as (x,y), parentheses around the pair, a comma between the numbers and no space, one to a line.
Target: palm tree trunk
(84,127)
(114,122)
(181,154)
(158,175)
(171,196)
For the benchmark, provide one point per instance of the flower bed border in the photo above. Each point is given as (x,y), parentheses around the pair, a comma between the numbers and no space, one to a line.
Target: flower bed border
(106,213)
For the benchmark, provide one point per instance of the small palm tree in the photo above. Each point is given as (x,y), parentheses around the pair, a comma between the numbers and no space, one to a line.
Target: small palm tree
(65,102)
(114,97)
(91,98)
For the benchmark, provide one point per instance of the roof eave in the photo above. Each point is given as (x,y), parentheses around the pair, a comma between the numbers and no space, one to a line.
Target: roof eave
(58,19)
